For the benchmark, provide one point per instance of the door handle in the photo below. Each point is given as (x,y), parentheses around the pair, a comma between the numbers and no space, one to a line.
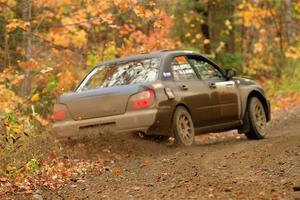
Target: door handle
(229,84)
(184,87)
(212,85)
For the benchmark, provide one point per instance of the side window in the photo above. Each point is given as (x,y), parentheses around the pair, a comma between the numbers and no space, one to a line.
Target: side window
(206,70)
(182,70)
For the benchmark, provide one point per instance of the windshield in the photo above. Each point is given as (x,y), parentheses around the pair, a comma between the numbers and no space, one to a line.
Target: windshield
(139,71)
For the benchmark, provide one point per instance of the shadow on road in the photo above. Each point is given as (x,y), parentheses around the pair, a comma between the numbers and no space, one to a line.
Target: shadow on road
(128,145)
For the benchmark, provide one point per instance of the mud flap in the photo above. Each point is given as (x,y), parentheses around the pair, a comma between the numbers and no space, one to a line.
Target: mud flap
(246,124)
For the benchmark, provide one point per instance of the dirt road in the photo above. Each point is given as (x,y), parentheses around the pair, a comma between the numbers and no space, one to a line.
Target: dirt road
(218,168)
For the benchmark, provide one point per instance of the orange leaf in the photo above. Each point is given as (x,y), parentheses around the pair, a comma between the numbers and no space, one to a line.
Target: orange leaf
(117,171)
(147,160)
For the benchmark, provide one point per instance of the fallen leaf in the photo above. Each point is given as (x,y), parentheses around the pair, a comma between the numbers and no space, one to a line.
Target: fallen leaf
(28,192)
(117,171)
(35,97)
(147,160)
(71,198)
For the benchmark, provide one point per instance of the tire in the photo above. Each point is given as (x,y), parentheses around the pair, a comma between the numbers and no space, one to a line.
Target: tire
(257,119)
(183,128)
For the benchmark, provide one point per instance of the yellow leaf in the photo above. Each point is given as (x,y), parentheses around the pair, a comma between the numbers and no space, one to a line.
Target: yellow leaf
(241,6)
(198,36)
(16,23)
(187,35)
(140,11)
(227,22)
(27,192)
(79,39)
(35,97)
(206,41)
(11,168)
(10,3)
(61,38)
(44,90)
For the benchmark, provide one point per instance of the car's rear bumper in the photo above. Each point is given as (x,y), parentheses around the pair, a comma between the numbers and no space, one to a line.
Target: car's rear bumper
(133,121)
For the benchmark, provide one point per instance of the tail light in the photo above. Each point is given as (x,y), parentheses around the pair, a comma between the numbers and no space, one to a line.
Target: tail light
(142,99)
(59,115)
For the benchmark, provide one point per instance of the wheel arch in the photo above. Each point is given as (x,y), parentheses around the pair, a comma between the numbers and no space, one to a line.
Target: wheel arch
(263,100)
(182,105)
(174,109)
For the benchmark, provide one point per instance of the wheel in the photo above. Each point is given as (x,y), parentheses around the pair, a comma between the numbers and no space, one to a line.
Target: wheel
(257,119)
(183,128)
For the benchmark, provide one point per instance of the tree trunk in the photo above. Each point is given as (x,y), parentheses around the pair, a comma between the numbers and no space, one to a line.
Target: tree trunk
(26,15)
(288,21)
(231,41)
(206,29)
(6,48)
(218,13)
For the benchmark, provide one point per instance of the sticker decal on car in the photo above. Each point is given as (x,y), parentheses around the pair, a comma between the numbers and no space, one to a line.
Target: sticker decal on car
(181,60)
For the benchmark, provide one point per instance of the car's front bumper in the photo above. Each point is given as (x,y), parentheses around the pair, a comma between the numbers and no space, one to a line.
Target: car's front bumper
(132,121)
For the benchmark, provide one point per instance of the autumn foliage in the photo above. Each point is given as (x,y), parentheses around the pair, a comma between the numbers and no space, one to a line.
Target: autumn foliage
(47,47)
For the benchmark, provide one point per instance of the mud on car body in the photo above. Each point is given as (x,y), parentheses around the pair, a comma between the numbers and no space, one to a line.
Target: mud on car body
(167,93)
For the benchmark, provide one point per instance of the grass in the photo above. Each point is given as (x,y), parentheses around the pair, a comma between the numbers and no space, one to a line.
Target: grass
(284,92)
(287,85)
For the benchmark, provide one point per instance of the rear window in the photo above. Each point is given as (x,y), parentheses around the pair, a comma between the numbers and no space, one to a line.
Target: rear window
(139,71)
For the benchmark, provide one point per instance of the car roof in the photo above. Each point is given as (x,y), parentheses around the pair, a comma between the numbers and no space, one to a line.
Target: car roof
(154,54)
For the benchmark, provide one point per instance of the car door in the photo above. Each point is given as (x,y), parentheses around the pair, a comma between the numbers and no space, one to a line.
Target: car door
(192,92)
(224,93)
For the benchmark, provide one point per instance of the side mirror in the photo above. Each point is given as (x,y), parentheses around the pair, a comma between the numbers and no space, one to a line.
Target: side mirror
(230,73)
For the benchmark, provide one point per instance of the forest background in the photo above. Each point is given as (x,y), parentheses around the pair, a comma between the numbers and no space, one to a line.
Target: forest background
(47,47)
